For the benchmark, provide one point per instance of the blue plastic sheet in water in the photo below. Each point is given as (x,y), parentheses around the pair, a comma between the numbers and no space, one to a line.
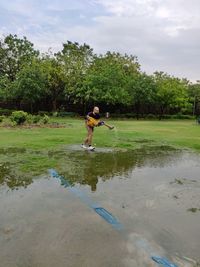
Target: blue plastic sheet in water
(108,217)
(163,262)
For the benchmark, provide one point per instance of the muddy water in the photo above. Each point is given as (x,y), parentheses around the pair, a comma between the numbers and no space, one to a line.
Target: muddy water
(153,192)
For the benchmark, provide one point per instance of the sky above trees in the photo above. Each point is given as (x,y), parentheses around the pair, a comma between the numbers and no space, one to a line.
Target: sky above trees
(163,34)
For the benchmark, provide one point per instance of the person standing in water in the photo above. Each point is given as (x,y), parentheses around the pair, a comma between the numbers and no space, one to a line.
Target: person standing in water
(92,120)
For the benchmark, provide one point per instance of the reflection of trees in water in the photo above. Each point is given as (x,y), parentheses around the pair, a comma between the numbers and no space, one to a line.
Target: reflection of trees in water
(12,180)
(158,156)
(87,168)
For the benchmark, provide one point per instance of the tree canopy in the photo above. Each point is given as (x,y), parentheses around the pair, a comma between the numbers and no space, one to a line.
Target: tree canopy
(77,77)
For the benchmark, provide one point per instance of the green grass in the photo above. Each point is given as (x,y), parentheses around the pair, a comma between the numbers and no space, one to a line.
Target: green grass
(129,134)
(184,134)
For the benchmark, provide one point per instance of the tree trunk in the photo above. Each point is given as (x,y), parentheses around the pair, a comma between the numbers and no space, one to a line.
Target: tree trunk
(162,109)
(31,105)
(85,108)
(54,104)
(137,110)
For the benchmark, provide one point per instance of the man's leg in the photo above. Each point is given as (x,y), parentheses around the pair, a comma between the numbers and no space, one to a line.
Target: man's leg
(90,135)
(88,139)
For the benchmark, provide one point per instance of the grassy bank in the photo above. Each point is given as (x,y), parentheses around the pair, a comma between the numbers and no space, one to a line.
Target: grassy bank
(30,150)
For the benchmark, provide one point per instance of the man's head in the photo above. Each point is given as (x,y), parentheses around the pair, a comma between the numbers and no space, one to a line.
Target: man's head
(96,110)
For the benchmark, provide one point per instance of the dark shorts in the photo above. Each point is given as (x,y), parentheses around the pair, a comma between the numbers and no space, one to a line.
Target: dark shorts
(89,127)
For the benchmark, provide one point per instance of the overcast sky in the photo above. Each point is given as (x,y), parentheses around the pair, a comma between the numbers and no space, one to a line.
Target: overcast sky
(163,34)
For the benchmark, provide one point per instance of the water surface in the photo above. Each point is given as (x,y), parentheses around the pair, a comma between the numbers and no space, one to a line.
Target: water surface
(154,192)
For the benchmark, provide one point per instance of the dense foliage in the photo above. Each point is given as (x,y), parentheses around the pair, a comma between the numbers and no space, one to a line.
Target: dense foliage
(74,79)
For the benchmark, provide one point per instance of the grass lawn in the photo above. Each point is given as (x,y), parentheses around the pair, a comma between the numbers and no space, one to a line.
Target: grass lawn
(127,133)
(27,150)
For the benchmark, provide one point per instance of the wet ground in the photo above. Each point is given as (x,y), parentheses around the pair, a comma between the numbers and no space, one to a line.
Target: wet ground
(153,192)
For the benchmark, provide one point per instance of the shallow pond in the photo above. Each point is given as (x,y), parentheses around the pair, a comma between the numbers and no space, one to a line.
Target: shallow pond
(153,192)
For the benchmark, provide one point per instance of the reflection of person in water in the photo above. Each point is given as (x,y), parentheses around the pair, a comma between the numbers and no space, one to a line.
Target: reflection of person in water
(93,184)
(104,166)
(91,172)
(91,180)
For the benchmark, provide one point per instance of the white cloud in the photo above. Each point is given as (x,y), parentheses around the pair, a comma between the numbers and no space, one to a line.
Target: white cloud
(163,12)
(164,34)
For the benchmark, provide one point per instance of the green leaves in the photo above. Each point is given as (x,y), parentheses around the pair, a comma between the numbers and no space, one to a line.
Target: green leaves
(14,54)
(54,79)
(171,93)
(108,78)
(194,97)
(30,83)
(76,76)
(76,60)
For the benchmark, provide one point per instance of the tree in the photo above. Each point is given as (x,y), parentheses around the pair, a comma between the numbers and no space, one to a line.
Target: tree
(5,86)
(194,94)
(143,92)
(171,93)
(30,83)
(109,78)
(55,83)
(76,60)
(14,54)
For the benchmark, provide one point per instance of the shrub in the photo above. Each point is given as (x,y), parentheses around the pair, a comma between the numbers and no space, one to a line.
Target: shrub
(66,114)
(130,115)
(151,116)
(33,118)
(166,117)
(5,112)
(29,118)
(19,117)
(45,119)
(2,118)
(42,113)
(123,115)
(36,118)
(55,114)
(116,115)
(177,116)
(182,117)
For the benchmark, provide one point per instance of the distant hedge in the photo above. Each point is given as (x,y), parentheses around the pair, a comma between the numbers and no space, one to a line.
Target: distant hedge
(6,112)
(151,116)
